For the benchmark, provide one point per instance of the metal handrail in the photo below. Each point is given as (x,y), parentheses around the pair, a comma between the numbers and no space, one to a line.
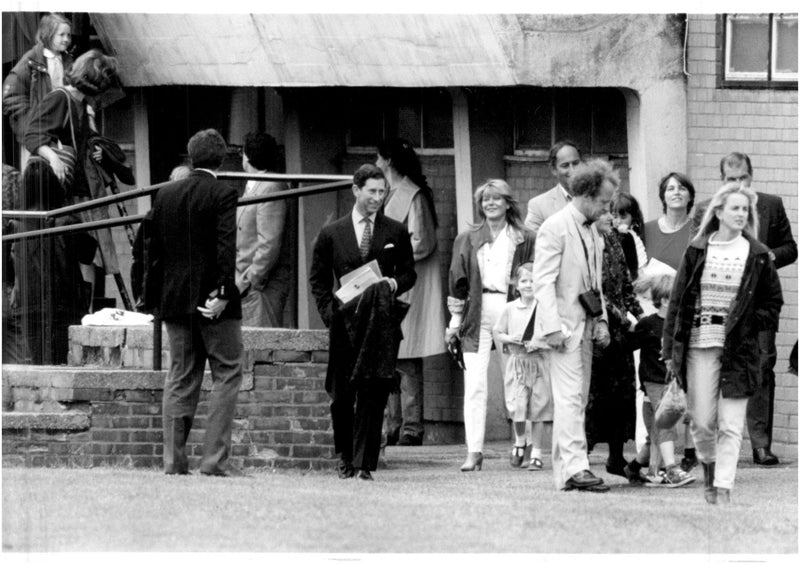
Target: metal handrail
(334,182)
(338,184)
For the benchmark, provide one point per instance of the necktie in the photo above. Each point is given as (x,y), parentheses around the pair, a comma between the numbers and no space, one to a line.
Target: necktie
(366,238)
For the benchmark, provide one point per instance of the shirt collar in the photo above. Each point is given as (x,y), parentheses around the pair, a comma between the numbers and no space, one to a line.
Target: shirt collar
(578,215)
(49,54)
(357,217)
(564,191)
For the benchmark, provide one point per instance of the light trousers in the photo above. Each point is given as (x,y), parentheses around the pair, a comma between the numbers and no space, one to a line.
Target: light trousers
(717,422)
(476,366)
(570,376)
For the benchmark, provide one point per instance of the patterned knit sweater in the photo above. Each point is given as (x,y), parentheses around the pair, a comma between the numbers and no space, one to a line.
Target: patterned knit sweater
(719,285)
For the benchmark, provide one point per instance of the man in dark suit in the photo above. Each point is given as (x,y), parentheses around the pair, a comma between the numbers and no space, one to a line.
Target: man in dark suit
(775,231)
(359,389)
(189,284)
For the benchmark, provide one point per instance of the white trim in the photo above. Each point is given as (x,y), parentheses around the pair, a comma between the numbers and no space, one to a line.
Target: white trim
(462,159)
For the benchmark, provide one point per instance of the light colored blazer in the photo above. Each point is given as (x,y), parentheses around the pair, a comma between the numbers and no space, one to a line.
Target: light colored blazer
(543,206)
(259,234)
(560,274)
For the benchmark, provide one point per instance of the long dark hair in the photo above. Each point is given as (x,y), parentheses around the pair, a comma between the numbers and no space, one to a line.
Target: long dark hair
(405,161)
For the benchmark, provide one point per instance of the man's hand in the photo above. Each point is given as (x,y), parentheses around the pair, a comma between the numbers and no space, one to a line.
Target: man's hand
(556,339)
(450,333)
(600,334)
(392,283)
(213,307)
(97,154)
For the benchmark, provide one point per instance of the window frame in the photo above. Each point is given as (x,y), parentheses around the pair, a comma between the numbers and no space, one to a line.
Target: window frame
(748,80)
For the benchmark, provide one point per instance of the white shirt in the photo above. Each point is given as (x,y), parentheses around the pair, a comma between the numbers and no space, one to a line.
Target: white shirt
(359,225)
(493,260)
(55,68)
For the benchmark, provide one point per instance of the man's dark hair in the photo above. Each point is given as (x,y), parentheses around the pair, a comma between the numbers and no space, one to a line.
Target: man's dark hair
(261,150)
(365,172)
(557,147)
(684,181)
(207,149)
(735,159)
(589,177)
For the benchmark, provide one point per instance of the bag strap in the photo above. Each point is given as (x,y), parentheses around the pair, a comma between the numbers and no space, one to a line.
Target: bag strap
(527,335)
(69,117)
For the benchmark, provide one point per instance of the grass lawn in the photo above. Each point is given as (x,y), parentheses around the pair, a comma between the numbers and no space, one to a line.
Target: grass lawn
(421,503)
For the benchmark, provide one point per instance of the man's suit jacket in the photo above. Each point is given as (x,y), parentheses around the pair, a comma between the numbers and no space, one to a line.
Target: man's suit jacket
(560,275)
(543,206)
(336,253)
(191,248)
(260,248)
(774,228)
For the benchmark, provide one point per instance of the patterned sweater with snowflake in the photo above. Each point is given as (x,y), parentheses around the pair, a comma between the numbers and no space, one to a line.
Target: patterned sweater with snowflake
(719,284)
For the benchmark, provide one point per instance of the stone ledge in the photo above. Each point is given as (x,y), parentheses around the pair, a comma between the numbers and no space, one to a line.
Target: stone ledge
(29,376)
(70,421)
(254,338)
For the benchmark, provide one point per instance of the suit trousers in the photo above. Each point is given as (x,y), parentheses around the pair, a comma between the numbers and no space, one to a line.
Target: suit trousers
(357,415)
(570,376)
(476,373)
(717,422)
(193,340)
(404,410)
(761,404)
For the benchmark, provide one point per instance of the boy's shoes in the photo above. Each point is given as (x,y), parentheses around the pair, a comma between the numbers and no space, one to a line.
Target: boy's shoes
(634,476)
(675,477)
(410,440)
(656,480)
(688,463)
(517,454)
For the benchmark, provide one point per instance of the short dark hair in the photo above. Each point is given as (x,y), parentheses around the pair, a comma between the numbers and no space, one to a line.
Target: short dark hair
(557,147)
(261,150)
(365,172)
(735,159)
(684,181)
(589,178)
(207,149)
(627,204)
(93,72)
(48,26)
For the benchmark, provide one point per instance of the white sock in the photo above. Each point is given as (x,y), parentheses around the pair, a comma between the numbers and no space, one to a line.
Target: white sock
(536,453)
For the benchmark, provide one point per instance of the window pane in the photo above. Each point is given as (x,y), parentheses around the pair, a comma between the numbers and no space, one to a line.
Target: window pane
(574,116)
(786,44)
(534,119)
(610,127)
(437,120)
(366,120)
(409,122)
(749,44)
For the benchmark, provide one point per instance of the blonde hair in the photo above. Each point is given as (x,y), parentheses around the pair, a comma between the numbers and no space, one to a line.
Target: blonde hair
(710,223)
(501,187)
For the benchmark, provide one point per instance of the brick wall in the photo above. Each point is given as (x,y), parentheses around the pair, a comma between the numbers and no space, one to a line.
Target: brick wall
(110,413)
(763,124)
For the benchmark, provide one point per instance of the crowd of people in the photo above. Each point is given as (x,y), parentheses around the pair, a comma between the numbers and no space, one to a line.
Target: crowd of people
(555,296)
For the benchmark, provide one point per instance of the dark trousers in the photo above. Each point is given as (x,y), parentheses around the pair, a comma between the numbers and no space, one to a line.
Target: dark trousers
(404,409)
(193,340)
(357,414)
(760,406)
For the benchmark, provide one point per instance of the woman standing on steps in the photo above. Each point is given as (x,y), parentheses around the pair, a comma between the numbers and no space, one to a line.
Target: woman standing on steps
(484,258)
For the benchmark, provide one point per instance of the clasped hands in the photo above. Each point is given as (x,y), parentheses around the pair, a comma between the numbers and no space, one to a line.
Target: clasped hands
(600,335)
(214,306)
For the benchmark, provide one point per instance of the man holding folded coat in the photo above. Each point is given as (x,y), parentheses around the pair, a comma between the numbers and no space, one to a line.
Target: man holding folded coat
(365,332)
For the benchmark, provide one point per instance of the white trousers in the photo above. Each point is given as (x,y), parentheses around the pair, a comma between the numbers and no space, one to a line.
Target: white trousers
(476,366)
(717,422)
(570,376)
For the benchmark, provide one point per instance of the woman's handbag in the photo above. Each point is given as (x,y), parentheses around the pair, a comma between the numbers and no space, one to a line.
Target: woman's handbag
(672,406)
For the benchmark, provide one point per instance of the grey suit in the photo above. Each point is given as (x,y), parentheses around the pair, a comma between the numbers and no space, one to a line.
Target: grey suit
(543,206)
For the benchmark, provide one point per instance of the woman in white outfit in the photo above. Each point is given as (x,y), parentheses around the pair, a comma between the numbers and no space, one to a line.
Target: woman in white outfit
(484,258)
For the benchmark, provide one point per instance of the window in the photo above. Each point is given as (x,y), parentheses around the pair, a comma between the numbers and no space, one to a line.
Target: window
(760,49)
(594,118)
(424,116)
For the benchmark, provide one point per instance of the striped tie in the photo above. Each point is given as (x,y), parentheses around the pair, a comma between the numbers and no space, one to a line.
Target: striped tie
(366,238)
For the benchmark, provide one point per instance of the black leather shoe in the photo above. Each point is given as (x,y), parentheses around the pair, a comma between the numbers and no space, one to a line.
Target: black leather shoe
(410,440)
(364,475)
(392,438)
(764,457)
(583,480)
(616,467)
(231,472)
(345,470)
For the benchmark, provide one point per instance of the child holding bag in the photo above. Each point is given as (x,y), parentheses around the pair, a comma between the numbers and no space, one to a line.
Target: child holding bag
(646,335)
(526,379)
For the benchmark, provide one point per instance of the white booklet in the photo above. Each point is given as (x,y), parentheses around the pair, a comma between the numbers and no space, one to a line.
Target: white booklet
(354,283)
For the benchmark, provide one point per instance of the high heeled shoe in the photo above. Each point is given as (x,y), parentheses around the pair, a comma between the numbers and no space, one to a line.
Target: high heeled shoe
(474,462)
